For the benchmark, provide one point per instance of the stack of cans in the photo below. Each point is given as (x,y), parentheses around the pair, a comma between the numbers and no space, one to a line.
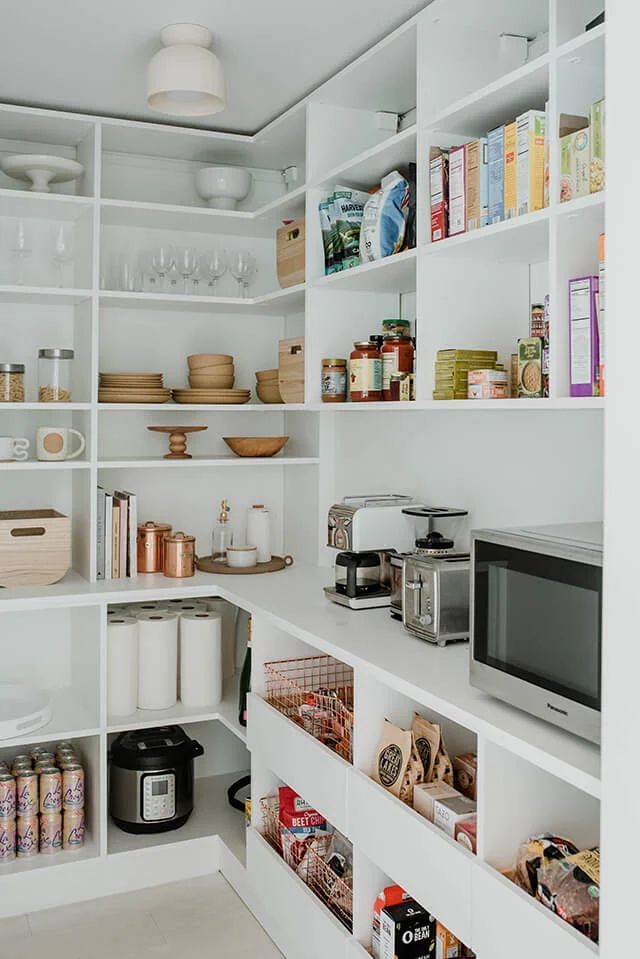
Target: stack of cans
(41,803)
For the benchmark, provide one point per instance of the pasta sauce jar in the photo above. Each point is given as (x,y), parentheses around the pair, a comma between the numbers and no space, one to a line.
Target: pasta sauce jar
(397,357)
(365,373)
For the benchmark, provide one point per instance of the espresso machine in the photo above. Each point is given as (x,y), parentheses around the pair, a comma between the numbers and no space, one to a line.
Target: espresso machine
(367,531)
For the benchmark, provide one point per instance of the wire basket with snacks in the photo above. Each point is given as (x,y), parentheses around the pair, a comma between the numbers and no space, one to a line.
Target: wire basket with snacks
(318,853)
(316,692)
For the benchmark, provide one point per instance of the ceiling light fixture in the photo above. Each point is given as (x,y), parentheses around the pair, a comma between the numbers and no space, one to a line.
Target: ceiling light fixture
(185,79)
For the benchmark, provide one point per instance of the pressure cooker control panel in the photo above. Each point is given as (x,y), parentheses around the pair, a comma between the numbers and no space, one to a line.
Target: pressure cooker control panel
(158,796)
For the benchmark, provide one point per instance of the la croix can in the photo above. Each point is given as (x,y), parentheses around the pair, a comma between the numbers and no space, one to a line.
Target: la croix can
(7,796)
(51,833)
(27,833)
(50,790)
(73,787)
(73,829)
(7,840)
(27,793)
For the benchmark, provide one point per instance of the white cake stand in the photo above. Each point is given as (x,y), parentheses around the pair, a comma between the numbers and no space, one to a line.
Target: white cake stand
(23,709)
(41,169)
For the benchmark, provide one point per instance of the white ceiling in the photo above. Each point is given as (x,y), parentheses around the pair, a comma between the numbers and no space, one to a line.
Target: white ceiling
(91,55)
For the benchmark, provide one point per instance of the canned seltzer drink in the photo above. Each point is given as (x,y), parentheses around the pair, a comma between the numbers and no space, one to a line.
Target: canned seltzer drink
(50,790)
(73,787)
(38,751)
(27,793)
(7,840)
(51,833)
(21,766)
(22,758)
(73,829)
(7,796)
(27,836)
(45,759)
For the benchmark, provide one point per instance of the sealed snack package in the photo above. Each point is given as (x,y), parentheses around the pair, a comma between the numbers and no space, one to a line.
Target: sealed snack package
(348,208)
(571,888)
(385,219)
(426,737)
(535,853)
(326,226)
(392,757)
(414,774)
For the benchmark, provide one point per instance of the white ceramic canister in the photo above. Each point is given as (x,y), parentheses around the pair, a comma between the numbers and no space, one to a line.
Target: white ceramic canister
(259,531)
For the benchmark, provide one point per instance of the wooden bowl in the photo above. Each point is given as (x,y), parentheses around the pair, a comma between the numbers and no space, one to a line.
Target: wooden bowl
(227,370)
(268,393)
(264,375)
(197,360)
(211,381)
(255,445)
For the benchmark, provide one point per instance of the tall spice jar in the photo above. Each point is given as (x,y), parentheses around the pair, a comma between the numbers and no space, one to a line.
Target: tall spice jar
(397,357)
(11,383)
(365,373)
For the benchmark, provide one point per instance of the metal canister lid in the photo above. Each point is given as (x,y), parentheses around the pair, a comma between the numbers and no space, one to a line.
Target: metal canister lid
(151,526)
(56,354)
(334,361)
(11,367)
(180,537)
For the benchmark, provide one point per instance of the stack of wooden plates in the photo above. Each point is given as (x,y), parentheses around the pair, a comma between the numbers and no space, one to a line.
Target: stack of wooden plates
(132,388)
(211,396)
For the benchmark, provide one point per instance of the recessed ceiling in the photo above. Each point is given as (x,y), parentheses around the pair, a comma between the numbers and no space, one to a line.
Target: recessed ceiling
(91,56)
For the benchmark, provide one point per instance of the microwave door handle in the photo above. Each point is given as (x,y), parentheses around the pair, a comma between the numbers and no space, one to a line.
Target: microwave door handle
(416,589)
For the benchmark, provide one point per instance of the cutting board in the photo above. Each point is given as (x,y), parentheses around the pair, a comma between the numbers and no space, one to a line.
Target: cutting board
(290,253)
(291,369)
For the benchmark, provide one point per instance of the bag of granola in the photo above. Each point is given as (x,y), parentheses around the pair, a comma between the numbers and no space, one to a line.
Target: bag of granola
(413,775)
(426,738)
(392,757)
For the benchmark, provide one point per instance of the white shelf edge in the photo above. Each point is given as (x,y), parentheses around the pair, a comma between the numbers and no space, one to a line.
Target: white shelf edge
(45,292)
(581,41)
(43,407)
(107,297)
(574,207)
(44,466)
(386,263)
(53,198)
(206,407)
(205,461)
(485,232)
(385,146)
(541,405)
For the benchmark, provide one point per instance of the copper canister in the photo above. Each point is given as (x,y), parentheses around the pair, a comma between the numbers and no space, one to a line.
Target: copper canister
(151,546)
(179,555)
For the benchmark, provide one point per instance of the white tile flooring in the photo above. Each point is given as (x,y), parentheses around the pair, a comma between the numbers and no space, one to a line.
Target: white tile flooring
(196,919)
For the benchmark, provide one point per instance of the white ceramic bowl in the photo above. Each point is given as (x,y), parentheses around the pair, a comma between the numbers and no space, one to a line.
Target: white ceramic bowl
(223,186)
(41,169)
(241,557)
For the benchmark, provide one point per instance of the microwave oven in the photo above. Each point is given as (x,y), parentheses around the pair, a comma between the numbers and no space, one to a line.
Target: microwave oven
(536,621)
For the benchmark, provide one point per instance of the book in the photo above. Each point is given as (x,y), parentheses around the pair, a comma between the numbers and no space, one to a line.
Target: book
(100,516)
(530,140)
(457,191)
(439,193)
(510,183)
(108,536)
(124,532)
(584,346)
(495,150)
(115,540)
(131,531)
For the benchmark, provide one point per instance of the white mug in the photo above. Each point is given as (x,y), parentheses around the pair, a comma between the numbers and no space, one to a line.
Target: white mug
(54,443)
(13,448)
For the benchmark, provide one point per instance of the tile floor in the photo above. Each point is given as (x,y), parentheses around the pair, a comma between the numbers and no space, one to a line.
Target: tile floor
(196,919)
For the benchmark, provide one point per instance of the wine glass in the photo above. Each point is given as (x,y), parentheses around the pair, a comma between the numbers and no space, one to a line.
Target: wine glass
(216,265)
(163,260)
(21,250)
(62,250)
(242,267)
(187,262)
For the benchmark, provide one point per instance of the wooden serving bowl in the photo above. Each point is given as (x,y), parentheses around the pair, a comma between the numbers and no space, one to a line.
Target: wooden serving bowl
(255,445)
(263,376)
(197,360)
(268,393)
(211,381)
(228,369)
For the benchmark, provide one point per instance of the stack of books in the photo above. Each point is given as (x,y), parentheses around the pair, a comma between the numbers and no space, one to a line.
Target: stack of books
(452,368)
(117,534)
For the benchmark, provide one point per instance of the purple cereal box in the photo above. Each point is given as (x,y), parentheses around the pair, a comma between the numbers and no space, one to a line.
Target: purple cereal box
(584,346)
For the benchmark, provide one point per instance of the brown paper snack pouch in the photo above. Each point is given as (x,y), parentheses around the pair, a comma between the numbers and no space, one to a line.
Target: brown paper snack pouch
(392,758)
(426,737)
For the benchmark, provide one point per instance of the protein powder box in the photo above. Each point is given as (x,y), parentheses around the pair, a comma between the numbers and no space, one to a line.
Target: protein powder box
(407,931)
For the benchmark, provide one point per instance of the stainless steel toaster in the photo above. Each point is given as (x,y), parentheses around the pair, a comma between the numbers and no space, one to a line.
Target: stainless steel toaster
(435,593)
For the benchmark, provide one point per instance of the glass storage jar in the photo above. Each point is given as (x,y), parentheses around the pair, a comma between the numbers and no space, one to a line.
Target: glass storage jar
(11,383)
(365,373)
(55,368)
(397,357)
(334,380)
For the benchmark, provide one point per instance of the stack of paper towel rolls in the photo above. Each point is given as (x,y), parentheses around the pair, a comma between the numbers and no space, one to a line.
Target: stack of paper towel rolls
(146,647)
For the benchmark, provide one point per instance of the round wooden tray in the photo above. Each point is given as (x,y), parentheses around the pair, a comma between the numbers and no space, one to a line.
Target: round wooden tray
(206,565)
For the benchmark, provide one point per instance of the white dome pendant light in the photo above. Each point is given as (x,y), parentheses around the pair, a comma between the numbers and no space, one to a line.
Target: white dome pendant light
(185,79)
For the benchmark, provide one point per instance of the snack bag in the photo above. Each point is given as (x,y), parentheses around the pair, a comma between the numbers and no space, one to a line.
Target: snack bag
(385,219)
(348,208)
(326,226)
(534,853)
(426,737)
(414,774)
(571,888)
(392,758)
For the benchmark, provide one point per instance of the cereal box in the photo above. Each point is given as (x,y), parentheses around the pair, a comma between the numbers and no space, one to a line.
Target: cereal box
(575,165)
(439,193)
(495,150)
(530,141)
(477,184)
(510,169)
(457,191)
(584,344)
(530,382)
(597,177)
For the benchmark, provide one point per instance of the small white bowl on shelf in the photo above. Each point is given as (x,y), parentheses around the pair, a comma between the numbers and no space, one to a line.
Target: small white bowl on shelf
(223,187)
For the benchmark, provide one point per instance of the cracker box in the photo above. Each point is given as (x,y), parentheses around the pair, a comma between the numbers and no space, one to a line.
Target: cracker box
(457,191)
(530,379)
(467,834)
(439,193)
(465,771)
(447,945)
(584,343)
(510,168)
(477,184)
(425,794)
(596,169)
(407,931)
(575,165)
(495,156)
(447,813)
(530,141)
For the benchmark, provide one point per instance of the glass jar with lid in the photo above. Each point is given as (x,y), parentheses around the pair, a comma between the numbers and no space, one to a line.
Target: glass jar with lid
(55,375)
(334,380)
(397,357)
(11,383)
(365,373)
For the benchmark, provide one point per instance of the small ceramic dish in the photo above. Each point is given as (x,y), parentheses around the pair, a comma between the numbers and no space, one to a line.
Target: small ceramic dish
(241,557)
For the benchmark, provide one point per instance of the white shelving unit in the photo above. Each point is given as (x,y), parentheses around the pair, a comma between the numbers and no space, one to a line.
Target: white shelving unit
(473,290)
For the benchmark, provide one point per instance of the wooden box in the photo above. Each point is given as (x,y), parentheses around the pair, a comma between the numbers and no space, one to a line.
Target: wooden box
(290,253)
(35,547)
(291,369)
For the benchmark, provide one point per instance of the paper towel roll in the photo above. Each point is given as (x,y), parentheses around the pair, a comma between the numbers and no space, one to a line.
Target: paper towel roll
(228,612)
(200,659)
(153,606)
(188,606)
(122,666)
(158,660)
(175,604)
(259,531)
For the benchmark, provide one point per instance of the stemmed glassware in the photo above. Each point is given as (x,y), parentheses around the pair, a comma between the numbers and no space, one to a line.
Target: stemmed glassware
(21,250)
(187,262)
(163,259)
(242,267)
(216,265)
(62,250)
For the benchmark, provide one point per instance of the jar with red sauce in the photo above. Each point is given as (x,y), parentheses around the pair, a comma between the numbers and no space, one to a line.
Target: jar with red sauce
(365,373)
(397,357)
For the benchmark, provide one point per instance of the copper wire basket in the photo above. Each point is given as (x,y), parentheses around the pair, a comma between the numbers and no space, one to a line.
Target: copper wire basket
(308,862)
(316,692)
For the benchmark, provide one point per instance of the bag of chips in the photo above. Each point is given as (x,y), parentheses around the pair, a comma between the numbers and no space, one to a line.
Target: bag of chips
(570,887)
(535,853)
(392,758)
(385,219)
